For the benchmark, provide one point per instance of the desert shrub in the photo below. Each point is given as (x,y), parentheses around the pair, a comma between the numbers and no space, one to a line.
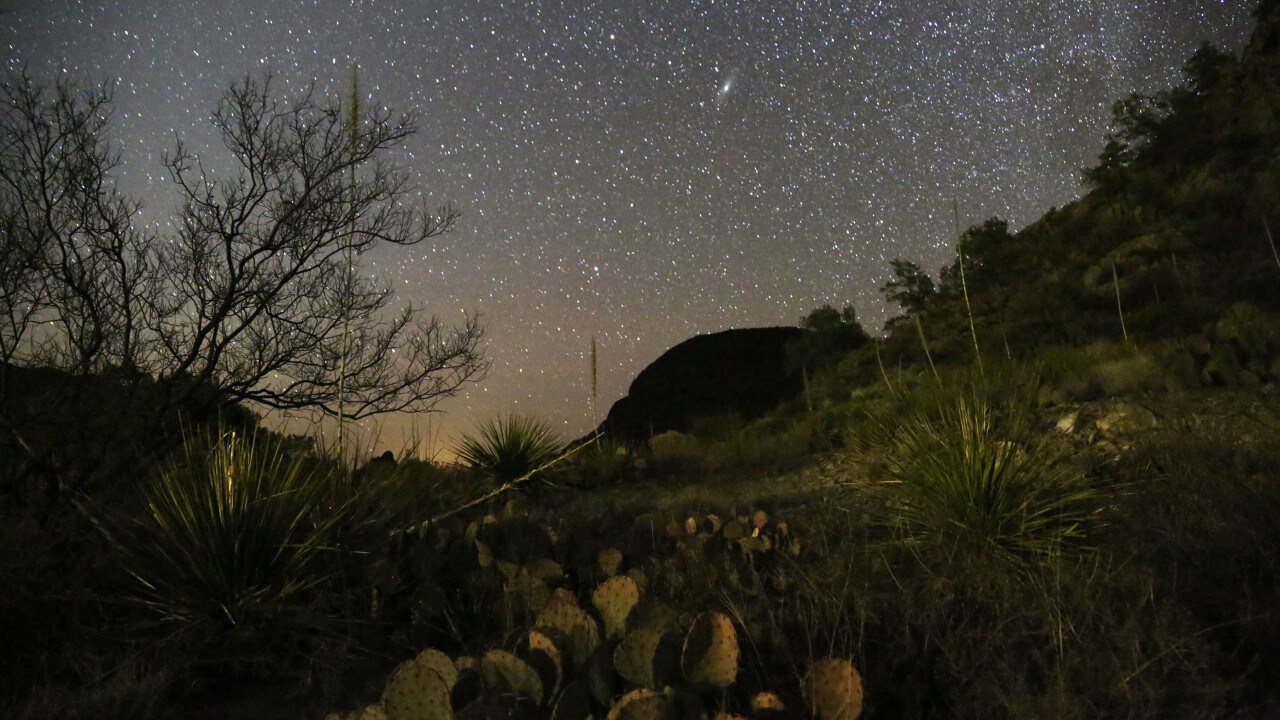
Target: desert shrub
(1098,370)
(954,631)
(673,454)
(982,473)
(509,447)
(718,427)
(251,555)
(604,461)
(1132,373)
(1067,373)
(1204,519)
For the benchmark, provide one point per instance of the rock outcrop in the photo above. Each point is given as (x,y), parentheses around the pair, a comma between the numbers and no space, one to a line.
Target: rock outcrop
(742,371)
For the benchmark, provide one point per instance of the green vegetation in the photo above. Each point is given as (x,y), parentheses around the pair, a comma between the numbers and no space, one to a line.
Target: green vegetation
(1082,527)
(983,474)
(509,448)
(242,547)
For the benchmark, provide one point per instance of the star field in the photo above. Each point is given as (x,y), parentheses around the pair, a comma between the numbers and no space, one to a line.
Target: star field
(645,171)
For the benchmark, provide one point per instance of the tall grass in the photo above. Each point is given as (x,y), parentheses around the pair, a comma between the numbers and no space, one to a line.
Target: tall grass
(980,473)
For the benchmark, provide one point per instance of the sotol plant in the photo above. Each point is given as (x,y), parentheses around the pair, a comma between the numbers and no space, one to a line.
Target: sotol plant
(509,447)
(240,539)
(985,474)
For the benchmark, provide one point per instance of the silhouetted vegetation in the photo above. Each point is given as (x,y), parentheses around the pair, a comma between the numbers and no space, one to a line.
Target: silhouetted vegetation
(1082,525)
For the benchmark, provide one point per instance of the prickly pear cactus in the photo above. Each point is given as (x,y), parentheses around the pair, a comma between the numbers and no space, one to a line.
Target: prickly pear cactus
(767,701)
(609,561)
(639,577)
(614,599)
(440,663)
(484,556)
(642,704)
(575,625)
(833,690)
(540,651)
(373,712)
(633,658)
(507,674)
(547,570)
(710,654)
(416,691)
(565,596)
(656,615)
(574,703)
(526,594)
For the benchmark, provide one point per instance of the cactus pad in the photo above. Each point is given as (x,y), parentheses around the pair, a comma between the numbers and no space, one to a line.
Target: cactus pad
(614,599)
(416,692)
(507,674)
(758,520)
(573,704)
(609,561)
(565,596)
(710,654)
(578,628)
(833,690)
(526,594)
(440,663)
(547,570)
(766,702)
(634,656)
(656,615)
(484,556)
(540,651)
(642,704)
(373,712)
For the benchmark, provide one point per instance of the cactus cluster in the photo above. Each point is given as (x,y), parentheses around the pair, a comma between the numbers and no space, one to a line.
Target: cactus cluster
(624,654)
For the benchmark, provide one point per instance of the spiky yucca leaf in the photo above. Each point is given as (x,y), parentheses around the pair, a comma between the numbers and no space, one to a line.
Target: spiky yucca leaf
(984,474)
(509,447)
(238,536)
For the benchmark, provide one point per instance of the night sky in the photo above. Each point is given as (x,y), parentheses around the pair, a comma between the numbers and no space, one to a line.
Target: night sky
(642,172)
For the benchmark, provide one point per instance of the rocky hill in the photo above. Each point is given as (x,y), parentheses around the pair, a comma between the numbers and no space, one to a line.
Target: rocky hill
(743,372)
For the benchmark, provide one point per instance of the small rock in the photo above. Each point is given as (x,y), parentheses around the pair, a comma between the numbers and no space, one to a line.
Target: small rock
(1126,419)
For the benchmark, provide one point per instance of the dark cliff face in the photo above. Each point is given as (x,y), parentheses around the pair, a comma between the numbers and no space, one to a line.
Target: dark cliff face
(735,371)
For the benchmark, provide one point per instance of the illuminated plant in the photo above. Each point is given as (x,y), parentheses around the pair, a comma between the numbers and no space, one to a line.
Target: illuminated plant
(509,447)
(984,474)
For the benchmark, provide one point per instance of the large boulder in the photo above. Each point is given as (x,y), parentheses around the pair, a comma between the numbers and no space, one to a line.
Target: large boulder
(741,371)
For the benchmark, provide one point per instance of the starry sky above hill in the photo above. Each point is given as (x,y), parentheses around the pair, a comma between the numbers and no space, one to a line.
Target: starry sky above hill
(645,171)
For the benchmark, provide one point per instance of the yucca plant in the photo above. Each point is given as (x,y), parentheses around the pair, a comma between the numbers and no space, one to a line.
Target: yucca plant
(982,474)
(242,545)
(509,447)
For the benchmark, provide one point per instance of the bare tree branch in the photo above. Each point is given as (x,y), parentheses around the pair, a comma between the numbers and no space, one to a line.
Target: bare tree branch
(246,301)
